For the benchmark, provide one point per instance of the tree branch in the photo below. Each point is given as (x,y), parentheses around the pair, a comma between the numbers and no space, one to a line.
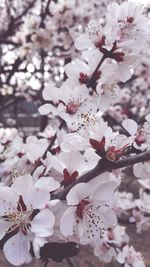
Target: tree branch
(103,166)
(71,262)
(16,65)
(6,41)
(11,102)
(92,78)
(45,13)
(26,10)
(14,22)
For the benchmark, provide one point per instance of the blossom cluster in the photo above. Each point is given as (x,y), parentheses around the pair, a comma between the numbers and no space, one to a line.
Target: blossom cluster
(45,192)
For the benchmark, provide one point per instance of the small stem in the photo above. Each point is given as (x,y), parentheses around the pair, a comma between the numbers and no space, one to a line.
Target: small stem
(44,13)
(15,66)
(95,71)
(53,139)
(46,263)
(114,121)
(44,155)
(106,54)
(71,262)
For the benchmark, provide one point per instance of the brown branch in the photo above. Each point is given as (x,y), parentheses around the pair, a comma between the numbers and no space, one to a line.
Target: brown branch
(15,22)
(53,139)
(45,153)
(9,42)
(92,78)
(104,166)
(46,9)
(25,11)
(45,13)
(11,102)
(106,54)
(71,262)
(16,65)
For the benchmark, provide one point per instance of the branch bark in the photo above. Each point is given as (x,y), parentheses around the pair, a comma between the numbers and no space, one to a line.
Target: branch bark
(104,166)
(92,78)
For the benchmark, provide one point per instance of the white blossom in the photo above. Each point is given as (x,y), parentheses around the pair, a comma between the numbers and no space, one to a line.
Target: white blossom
(90,213)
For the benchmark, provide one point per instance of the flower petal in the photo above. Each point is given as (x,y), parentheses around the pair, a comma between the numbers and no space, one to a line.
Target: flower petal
(83,42)
(68,221)
(22,183)
(47,183)
(46,109)
(8,200)
(110,219)
(103,191)
(37,198)
(130,125)
(4,226)
(16,249)
(124,72)
(77,193)
(43,223)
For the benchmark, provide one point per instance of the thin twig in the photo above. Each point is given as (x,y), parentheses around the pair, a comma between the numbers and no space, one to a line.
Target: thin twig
(44,13)
(10,102)
(46,262)
(53,139)
(25,11)
(14,22)
(92,78)
(16,65)
(71,262)
(9,42)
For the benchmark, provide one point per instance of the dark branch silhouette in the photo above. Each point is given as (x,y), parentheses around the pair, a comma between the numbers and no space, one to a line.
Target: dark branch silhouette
(104,166)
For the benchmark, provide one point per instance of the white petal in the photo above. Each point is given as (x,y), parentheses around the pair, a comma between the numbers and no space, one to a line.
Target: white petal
(46,109)
(145,183)
(43,223)
(74,68)
(148,117)
(47,183)
(74,142)
(113,10)
(35,148)
(38,242)
(4,226)
(8,200)
(83,42)
(103,191)
(68,221)
(81,230)
(57,163)
(47,92)
(77,193)
(38,172)
(37,198)
(16,249)
(91,157)
(130,125)
(110,219)
(121,258)
(22,183)
(124,72)
(141,169)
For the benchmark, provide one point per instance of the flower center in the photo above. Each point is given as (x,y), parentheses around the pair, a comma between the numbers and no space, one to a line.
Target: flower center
(80,208)
(83,78)
(72,107)
(69,178)
(19,218)
(114,154)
